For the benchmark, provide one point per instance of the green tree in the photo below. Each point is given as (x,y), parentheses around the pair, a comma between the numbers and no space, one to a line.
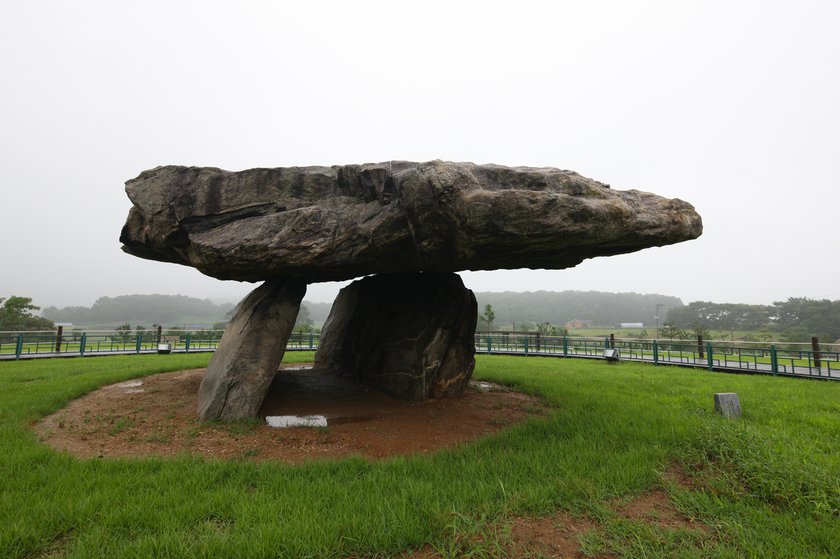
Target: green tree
(670,331)
(488,316)
(799,318)
(16,313)
(124,332)
(547,329)
(303,322)
(701,331)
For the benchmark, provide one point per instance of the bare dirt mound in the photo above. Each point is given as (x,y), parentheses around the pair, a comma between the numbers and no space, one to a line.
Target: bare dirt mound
(156,416)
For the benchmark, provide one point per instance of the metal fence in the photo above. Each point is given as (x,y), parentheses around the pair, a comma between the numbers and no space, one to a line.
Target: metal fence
(789,359)
(26,345)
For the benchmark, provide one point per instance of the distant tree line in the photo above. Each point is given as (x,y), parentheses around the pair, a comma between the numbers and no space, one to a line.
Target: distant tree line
(318,312)
(556,308)
(796,319)
(18,313)
(142,309)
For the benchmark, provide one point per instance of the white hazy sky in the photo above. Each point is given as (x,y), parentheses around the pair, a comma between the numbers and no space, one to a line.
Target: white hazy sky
(731,105)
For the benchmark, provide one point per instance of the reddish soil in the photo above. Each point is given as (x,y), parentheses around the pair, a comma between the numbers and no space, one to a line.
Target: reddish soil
(560,535)
(156,416)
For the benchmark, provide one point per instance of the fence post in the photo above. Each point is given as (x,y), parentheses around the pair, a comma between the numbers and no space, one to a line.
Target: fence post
(815,346)
(565,346)
(612,341)
(58,334)
(526,343)
(159,333)
(655,352)
(83,344)
(19,347)
(774,360)
(139,341)
(700,345)
(710,356)
(489,344)
(187,342)
(311,340)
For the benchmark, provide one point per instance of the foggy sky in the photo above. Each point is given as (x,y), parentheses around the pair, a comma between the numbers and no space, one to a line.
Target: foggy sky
(732,106)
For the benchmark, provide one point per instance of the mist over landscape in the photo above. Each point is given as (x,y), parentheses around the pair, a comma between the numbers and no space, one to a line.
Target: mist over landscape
(729,106)
(589,301)
(796,319)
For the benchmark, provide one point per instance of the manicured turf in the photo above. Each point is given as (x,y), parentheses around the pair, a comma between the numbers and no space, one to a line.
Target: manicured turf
(766,486)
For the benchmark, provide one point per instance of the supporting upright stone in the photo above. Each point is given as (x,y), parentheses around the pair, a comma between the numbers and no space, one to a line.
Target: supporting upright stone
(410,335)
(250,351)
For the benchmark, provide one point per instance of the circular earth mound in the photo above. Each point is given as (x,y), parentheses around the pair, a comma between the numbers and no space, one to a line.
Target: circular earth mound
(156,416)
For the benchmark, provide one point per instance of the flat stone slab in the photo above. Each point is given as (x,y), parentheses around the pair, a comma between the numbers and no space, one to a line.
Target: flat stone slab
(347,221)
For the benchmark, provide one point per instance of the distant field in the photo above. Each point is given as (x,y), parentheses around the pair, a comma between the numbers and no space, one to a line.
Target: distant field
(765,486)
(650,333)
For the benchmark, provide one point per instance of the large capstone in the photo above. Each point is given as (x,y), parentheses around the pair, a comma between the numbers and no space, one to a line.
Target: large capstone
(408,329)
(409,335)
(250,352)
(342,222)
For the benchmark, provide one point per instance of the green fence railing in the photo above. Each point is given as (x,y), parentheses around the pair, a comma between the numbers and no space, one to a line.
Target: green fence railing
(794,359)
(790,359)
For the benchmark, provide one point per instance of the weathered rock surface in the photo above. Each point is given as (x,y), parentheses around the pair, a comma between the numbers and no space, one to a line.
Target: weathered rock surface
(728,404)
(409,335)
(342,222)
(409,329)
(250,351)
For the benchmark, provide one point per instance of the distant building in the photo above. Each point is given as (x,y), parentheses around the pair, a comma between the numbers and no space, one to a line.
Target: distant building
(575,324)
(631,325)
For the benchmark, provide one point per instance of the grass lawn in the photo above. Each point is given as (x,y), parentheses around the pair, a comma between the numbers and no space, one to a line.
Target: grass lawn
(765,486)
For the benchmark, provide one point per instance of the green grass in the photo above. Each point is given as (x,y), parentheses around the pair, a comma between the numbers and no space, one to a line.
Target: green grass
(766,486)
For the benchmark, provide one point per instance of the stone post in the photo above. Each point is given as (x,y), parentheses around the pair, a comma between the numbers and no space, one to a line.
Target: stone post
(728,405)
(815,346)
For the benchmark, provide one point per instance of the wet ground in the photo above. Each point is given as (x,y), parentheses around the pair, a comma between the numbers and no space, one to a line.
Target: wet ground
(157,416)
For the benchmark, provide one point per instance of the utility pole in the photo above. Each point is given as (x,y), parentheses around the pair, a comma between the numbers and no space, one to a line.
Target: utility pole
(658,306)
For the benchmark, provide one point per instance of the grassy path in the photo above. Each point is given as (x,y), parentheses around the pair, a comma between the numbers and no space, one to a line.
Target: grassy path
(766,486)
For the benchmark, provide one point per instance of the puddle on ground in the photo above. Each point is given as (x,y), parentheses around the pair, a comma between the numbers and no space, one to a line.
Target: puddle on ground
(284,421)
(297,368)
(484,386)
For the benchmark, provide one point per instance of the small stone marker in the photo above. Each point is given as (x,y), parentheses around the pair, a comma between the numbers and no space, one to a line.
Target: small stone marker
(728,405)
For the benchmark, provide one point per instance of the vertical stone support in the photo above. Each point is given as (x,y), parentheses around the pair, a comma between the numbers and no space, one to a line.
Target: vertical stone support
(250,351)
(411,336)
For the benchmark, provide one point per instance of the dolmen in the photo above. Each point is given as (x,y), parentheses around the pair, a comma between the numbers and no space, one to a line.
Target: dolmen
(407,327)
